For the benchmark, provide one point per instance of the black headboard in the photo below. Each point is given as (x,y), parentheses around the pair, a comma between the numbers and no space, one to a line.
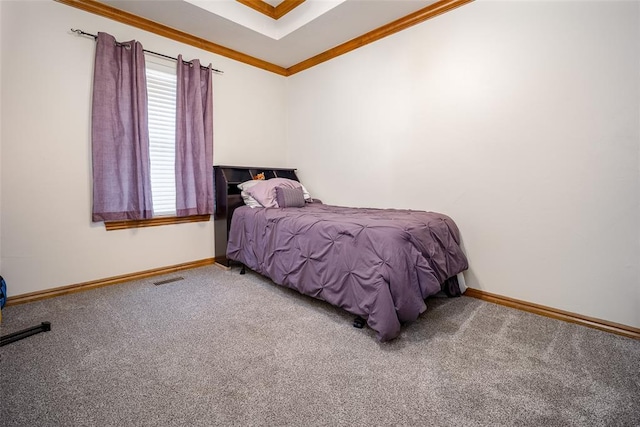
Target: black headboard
(227,198)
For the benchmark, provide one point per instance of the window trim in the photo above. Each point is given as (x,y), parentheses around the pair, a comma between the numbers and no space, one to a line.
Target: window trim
(154,222)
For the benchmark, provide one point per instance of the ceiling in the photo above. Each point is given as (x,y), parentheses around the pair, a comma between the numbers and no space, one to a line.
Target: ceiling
(310,28)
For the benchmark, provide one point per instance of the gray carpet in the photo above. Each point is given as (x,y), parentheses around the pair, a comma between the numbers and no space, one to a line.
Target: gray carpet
(219,348)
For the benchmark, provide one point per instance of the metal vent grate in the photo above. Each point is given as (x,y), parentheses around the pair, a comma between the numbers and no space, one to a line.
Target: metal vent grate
(171,280)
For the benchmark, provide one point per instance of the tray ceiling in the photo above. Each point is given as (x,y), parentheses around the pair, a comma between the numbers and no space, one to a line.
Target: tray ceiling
(310,28)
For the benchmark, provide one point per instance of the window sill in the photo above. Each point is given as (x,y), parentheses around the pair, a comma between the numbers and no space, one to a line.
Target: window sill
(154,222)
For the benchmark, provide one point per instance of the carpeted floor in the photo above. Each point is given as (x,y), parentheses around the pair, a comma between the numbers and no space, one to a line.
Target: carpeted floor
(218,348)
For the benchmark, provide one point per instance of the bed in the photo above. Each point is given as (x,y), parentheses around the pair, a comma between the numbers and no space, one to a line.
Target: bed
(379,264)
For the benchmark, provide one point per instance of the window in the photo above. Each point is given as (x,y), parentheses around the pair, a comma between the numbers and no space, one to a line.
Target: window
(161,93)
(161,97)
(178,157)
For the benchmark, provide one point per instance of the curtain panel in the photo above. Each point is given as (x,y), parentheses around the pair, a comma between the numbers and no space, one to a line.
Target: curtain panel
(194,139)
(119,132)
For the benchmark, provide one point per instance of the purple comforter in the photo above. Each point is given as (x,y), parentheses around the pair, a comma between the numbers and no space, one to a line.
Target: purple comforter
(380,264)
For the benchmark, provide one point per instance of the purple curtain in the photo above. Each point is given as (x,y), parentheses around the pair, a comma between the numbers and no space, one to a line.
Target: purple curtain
(119,132)
(194,139)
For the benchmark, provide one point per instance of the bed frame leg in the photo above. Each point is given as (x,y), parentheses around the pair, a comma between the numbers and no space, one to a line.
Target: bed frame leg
(359,322)
(243,270)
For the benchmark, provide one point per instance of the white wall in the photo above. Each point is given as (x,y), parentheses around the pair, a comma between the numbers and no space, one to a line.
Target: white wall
(520,120)
(48,239)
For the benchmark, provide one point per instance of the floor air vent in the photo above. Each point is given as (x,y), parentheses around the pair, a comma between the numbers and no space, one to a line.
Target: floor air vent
(164,282)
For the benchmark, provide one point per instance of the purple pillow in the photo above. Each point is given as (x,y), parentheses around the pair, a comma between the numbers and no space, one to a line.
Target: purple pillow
(265,191)
(289,197)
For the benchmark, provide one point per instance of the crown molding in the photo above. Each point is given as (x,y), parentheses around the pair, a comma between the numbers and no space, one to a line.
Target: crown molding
(400,24)
(285,7)
(107,11)
(403,23)
(272,12)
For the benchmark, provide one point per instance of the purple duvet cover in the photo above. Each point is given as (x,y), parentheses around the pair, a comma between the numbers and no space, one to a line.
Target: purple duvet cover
(380,264)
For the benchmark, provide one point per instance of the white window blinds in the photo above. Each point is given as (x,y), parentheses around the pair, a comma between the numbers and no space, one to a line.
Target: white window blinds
(161,92)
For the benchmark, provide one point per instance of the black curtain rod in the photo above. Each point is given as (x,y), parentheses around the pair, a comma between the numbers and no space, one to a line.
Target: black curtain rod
(95,37)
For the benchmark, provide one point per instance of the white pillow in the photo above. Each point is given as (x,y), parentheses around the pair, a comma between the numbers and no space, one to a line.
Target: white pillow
(250,201)
(246,197)
(244,186)
(307,196)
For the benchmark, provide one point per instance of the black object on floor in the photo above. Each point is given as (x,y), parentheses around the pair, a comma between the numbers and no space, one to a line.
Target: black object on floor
(9,338)
(358,322)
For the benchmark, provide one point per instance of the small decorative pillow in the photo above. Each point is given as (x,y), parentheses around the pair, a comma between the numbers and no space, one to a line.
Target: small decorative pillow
(289,197)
